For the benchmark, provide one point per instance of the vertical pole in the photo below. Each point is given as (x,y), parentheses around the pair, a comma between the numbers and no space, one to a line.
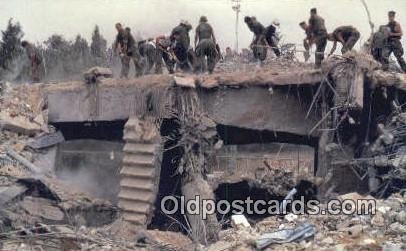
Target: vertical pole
(236,30)
(237,9)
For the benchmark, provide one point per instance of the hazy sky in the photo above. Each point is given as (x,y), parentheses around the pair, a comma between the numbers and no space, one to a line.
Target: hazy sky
(41,18)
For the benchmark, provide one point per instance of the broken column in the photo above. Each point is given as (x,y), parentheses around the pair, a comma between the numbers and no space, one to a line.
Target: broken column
(341,135)
(198,137)
(140,171)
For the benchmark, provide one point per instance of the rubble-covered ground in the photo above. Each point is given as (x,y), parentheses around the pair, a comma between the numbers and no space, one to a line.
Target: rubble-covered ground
(386,230)
(40,212)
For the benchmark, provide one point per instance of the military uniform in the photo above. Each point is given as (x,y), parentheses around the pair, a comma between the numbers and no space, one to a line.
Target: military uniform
(152,54)
(180,38)
(378,44)
(307,43)
(258,45)
(319,34)
(206,47)
(130,52)
(35,63)
(270,35)
(163,45)
(394,45)
(350,36)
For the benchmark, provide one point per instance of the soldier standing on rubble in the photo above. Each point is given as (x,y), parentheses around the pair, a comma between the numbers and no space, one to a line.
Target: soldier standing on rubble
(127,49)
(149,50)
(181,43)
(259,43)
(346,35)
(318,32)
(163,45)
(308,41)
(272,37)
(379,42)
(205,44)
(394,45)
(35,60)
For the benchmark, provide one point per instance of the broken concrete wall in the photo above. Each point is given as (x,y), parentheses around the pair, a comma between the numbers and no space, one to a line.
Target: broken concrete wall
(249,107)
(259,108)
(263,163)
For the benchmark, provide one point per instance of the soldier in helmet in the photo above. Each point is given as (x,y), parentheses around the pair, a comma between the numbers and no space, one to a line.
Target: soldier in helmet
(318,33)
(379,42)
(272,37)
(181,43)
(394,45)
(127,49)
(35,60)
(259,43)
(308,41)
(205,44)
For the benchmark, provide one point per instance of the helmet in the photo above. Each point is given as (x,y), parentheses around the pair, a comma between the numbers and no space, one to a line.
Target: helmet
(203,19)
(275,22)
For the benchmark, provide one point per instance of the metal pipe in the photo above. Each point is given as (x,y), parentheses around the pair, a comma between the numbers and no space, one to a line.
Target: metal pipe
(33,168)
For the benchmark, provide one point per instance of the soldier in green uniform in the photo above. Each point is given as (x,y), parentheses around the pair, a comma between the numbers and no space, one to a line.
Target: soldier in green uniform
(347,35)
(35,60)
(259,43)
(318,32)
(149,50)
(181,43)
(163,45)
(394,45)
(127,49)
(379,42)
(308,41)
(205,44)
(272,37)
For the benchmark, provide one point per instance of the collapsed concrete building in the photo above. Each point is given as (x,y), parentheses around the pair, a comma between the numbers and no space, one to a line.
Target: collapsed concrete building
(256,133)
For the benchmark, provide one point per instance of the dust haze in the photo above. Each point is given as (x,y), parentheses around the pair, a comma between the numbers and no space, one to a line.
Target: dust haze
(42,18)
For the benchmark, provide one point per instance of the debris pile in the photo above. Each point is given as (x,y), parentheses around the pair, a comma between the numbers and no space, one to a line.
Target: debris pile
(243,64)
(385,230)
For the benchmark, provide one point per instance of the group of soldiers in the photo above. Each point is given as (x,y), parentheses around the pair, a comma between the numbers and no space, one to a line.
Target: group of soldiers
(386,41)
(176,51)
(383,43)
(316,33)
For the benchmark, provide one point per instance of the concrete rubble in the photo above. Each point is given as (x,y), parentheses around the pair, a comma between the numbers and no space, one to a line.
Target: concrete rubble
(340,232)
(39,210)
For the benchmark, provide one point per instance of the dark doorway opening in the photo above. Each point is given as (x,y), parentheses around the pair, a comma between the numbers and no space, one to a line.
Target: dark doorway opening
(90,158)
(99,130)
(169,181)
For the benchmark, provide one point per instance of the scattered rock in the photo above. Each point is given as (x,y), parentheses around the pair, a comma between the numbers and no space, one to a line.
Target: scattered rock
(291,217)
(378,220)
(368,242)
(328,241)
(239,221)
(397,228)
(94,73)
(354,231)
(401,217)
(185,81)
(18,124)
(43,208)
